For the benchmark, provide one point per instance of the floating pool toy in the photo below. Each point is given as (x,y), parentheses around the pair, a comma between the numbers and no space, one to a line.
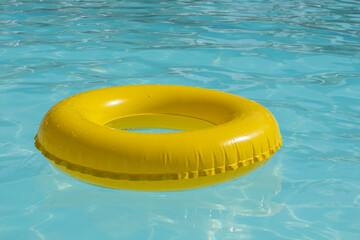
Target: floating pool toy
(223,137)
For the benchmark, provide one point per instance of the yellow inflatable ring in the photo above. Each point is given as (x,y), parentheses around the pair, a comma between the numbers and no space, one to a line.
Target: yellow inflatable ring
(225,136)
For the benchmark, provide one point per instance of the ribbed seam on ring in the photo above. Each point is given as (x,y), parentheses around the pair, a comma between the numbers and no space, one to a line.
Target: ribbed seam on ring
(159,176)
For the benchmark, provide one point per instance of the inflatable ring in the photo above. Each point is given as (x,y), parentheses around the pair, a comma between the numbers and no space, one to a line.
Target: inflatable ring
(224,137)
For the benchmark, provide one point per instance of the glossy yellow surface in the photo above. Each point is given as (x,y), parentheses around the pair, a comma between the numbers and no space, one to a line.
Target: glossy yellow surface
(225,136)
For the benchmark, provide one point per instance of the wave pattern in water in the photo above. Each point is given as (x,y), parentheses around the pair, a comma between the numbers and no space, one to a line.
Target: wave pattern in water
(298,58)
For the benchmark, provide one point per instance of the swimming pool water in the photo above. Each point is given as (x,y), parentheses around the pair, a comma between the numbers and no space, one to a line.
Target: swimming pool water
(300,59)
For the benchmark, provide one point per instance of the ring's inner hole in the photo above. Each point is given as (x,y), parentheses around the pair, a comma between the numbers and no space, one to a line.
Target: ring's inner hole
(158,123)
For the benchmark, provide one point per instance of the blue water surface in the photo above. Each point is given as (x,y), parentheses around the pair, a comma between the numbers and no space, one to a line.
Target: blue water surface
(300,59)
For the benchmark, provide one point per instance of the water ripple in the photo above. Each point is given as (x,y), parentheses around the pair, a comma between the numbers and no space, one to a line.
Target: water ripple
(298,58)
